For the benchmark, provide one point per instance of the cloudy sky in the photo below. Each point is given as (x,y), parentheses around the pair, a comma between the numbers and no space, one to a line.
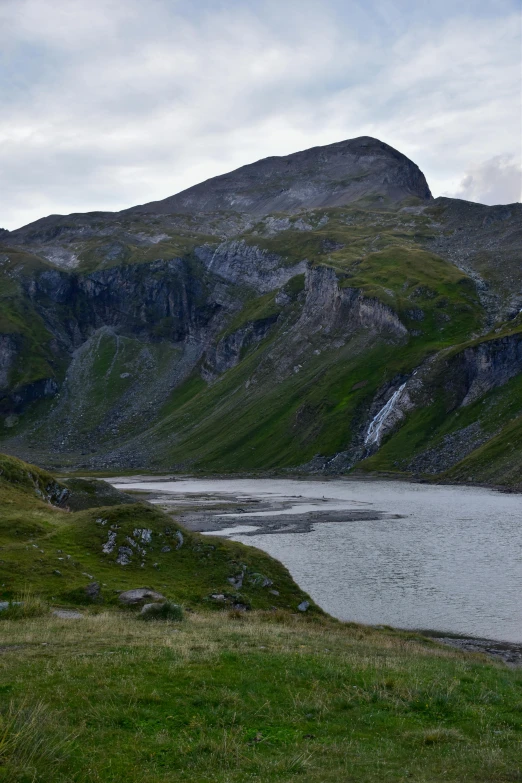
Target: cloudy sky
(110,103)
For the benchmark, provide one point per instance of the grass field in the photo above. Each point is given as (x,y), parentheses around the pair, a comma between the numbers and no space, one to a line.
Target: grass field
(261,696)
(225,694)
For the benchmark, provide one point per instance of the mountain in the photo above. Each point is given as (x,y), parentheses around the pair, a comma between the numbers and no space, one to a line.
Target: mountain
(319,311)
(329,176)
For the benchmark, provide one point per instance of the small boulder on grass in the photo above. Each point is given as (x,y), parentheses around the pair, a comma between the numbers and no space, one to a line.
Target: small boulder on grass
(136,596)
(167,610)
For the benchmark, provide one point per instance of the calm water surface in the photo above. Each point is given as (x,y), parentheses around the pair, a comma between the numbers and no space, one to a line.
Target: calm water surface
(453,562)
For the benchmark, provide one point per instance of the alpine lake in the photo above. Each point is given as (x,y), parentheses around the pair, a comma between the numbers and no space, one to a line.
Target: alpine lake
(409,555)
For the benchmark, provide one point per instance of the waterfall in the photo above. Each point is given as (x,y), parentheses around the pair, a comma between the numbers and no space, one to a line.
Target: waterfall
(373,435)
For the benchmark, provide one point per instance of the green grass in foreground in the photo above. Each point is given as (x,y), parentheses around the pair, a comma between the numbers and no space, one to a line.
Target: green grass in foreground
(220,696)
(263,696)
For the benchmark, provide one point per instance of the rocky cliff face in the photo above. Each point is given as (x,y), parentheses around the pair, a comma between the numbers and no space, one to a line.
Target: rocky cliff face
(8,351)
(267,319)
(162,296)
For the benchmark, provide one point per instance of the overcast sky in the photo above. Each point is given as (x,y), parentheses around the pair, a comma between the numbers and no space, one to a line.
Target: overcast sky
(110,103)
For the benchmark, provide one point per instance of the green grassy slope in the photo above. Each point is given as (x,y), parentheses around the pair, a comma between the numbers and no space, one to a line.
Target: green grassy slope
(495,417)
(235,425)
(266,697)
(222,696)
(56,553)
(34,359)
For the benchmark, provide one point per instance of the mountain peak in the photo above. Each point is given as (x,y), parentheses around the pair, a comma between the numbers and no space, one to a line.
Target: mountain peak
(327,176)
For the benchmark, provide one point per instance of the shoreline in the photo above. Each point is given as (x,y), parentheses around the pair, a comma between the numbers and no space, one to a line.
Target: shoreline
(164,474)
(227,511)
(508,652)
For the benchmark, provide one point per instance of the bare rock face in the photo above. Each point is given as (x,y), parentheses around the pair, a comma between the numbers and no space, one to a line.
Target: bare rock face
(243,264)
(328,176)
(8,350)
(133,597)
(491,364)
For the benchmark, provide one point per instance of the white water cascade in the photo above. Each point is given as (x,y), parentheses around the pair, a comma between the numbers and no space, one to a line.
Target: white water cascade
(373,436)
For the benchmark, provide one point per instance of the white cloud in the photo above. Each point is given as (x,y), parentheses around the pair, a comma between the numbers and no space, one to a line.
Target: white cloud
(495,181)
(109,103)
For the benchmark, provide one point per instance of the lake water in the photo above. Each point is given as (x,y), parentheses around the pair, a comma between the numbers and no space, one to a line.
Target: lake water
(452,562)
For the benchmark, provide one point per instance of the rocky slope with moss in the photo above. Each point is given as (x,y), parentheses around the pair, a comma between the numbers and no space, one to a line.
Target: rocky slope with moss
(80,542)
(319,312)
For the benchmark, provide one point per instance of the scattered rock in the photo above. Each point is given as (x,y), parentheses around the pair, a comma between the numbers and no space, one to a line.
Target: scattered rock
(136,546)
(260,581)
(143,534)
(165,549)
(303,606)
(274,592)
(56,572)
(136,596)
(179,536)
(7,604)
(92,591)
(218,596)
(108,547)
(124,555)
(67,614)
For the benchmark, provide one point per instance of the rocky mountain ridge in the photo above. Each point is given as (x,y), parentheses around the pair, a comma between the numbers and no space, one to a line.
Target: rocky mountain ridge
(330,176)
(263,319)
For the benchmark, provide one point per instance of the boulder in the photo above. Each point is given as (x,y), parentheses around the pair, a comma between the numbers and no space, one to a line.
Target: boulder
(132,597)
(67,614)
(303,606)
(92,591)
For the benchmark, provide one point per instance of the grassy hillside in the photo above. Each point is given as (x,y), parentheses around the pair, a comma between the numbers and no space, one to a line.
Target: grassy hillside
(30,341)
(266,697)
(222,695)
(56,553)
